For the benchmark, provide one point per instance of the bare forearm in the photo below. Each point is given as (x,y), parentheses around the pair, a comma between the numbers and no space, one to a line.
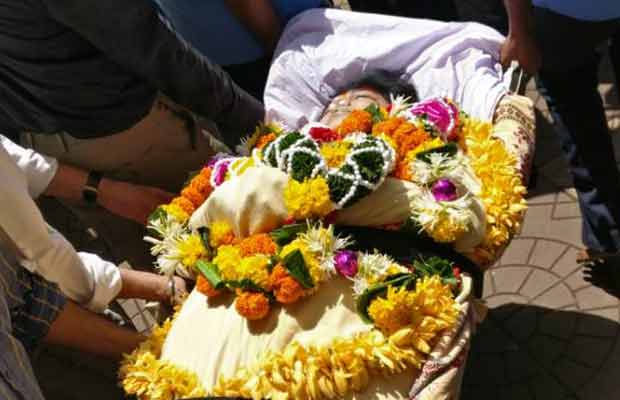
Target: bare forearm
(68,183)
(144,285)
(518,16)
(260,17)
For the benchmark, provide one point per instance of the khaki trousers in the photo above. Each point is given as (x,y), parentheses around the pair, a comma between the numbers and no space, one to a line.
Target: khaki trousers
(161,150)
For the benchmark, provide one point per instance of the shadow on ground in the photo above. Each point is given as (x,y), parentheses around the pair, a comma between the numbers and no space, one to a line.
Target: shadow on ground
(530,352)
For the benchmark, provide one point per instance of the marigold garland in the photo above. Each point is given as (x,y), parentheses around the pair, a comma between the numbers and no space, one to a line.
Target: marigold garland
(403,133)
(144,375)
(502,189)
(346,364)
(357,121)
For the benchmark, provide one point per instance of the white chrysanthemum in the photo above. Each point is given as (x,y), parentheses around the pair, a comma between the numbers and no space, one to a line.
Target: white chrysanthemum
(373,268)
(245,146)
(165,249)
(324,244)
(439,165)
(399,104)
(428,212)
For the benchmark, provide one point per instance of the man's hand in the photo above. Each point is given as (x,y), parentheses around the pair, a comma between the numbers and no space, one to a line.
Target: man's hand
(521,43)
(134,202)
(524,49)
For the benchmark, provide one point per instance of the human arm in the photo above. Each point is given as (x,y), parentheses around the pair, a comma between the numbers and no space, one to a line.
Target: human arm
(134,202)
(84,278)
(132,34)
(260,18)
(520,45)
(44,175)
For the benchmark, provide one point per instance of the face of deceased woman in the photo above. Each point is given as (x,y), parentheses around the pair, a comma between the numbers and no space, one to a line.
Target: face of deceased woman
(354,99)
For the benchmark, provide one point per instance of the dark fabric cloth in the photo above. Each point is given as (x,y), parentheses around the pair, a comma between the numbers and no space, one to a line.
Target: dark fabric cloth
(92,68)
(43,301)
(568,81)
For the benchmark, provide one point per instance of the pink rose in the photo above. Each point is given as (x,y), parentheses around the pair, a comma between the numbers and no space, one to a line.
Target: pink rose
(441,114)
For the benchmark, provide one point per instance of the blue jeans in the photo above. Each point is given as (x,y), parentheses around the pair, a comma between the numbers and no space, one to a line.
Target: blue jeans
(568,80)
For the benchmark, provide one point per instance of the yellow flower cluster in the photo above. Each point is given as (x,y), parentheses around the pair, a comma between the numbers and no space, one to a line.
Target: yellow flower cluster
(314,268)
(145,376)
(335,153)
(220,233)
(234,267)
(308,199)
(502,190)
(347,364)
(227,259)
(191,250)
(445,230)
(176,212)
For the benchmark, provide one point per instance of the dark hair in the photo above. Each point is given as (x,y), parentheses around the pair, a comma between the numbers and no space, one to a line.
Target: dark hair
(388,83)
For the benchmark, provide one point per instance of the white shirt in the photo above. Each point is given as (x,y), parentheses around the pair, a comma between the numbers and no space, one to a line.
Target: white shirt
(84,278)
(323,51)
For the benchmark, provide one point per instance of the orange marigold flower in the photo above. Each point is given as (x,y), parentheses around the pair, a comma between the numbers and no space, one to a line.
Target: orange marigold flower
(201,184)
(278,273)
(265,140)
(387,127)
(261,243)
(194,196)
(406,135)
(286,288)
(402,171)
(204,286)
(253,306)
(185,204)
(357,121)
(288,291)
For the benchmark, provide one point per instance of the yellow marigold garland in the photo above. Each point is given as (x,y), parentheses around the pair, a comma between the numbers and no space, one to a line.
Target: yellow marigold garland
(144,375)
(346,364)
(502,190)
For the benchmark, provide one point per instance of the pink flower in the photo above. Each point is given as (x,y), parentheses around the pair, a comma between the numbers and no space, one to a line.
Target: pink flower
(346,263)
(444,190)
(442,114)
(219,171)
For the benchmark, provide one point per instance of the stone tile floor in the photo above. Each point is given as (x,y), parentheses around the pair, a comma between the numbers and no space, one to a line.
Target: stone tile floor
(549,335)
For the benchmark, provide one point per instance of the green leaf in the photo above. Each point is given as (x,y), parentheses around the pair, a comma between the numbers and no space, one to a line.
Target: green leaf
(375,111)
(205,234)
(296,266)
(436,266)
(286,234)
(379,290)
(158,214)
(449,149)
(212,273)
(245,284)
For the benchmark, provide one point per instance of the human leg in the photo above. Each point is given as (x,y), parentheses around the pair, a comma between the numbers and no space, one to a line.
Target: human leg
(568,81)
(160,150)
